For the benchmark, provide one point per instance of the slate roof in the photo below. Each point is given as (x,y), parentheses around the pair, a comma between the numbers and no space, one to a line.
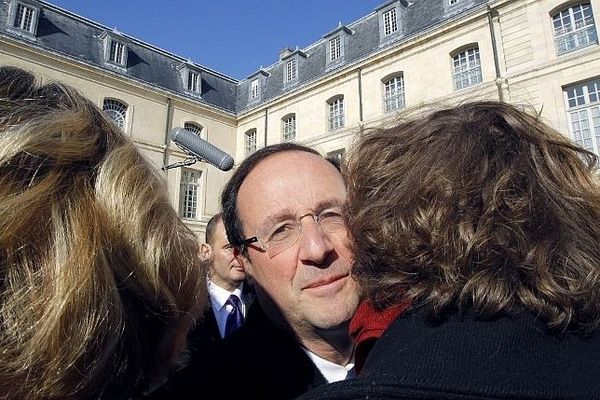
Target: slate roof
(68,34)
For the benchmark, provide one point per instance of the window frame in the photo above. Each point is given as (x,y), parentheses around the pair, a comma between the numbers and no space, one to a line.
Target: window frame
(254,89)
(336,113)
(562,35)
(473,71)
(193,81)
(288,128)
(398,98)
(193,127)
(190,190)
(13,14)
(291,70)
(250,141)
(584,103)
(390,23)
(111,106)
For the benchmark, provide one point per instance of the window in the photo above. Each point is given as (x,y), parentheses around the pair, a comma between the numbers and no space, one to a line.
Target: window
(290,71)
(189,190)
(116,110)
(337,157)
(393,93)
(192,127)
(467,68)
(574,28)
(117,52)
(583,104)
(335,48)
(250,141)
(390,24)
(24,18)
(289,128)
(336,113)
(193,81)
(254,89)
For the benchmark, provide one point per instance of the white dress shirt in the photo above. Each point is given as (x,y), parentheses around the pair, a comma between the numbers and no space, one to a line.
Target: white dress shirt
(331,371)
(218,297)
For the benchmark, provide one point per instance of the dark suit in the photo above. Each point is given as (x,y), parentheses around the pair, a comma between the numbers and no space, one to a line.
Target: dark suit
(260,361)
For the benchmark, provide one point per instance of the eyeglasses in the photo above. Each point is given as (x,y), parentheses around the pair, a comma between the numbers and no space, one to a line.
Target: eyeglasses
(279,236)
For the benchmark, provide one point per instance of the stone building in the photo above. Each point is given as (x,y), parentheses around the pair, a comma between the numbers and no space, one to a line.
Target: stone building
(402,56)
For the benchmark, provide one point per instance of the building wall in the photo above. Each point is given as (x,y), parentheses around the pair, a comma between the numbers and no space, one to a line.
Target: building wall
(519,64)
(147,116)
(529,72)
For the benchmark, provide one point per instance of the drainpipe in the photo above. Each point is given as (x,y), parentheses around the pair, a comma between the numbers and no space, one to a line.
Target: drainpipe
(490,15)
(360,101)
(167,138)
(266,124)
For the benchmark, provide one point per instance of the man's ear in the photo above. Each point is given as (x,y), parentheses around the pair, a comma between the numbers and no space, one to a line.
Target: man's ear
(206,252)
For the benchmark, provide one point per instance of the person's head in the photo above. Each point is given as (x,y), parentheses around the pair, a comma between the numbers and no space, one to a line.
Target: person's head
(99,278)
(480,207)
(301,266)
(226,269)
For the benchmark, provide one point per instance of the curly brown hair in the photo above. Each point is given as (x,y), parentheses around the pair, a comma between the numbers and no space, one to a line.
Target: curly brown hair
(480,207)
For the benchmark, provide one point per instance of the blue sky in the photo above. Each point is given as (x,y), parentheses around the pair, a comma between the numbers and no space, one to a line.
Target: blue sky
(234,37)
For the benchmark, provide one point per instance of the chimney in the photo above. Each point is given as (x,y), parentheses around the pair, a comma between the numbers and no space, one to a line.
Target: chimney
(284,53)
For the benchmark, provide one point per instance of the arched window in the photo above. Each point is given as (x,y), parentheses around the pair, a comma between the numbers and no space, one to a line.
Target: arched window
(193,127)
(335,107)
(116,110)
(467,68)
(574,28)
(250,141)
(393,92)
(288,128)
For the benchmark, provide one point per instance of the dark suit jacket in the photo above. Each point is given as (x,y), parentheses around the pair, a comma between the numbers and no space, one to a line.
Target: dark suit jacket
(259,361)
(466,357)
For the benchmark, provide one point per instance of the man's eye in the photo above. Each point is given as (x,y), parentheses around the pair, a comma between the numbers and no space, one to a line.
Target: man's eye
(330,216)
(281,232)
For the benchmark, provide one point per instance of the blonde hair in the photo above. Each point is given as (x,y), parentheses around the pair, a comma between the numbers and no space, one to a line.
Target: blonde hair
(97,272)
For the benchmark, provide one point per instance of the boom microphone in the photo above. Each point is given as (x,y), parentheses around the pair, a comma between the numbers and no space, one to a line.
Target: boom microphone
(200,148)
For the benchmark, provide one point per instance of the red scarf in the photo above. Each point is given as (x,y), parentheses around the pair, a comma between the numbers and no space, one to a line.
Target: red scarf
(367,325)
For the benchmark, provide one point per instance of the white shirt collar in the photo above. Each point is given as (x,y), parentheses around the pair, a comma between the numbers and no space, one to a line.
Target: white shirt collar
(219,295)
(331,371)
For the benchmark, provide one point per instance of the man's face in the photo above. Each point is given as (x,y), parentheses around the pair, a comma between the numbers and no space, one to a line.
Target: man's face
(226,270)
(310,281)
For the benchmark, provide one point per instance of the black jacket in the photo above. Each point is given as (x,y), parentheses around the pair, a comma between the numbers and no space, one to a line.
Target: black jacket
(259,361)
(470,358)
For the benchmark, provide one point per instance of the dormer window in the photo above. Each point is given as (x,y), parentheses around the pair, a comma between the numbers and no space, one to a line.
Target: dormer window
(191,78)
(391,15)
(291,63)
(336,41)
(254,89)
(390,22)
(117,52)
(256,83)
(193,81)
(335,48)
(291,70)
(115,49)
(23,18)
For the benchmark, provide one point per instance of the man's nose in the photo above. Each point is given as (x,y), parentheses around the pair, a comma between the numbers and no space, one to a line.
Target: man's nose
(315,245)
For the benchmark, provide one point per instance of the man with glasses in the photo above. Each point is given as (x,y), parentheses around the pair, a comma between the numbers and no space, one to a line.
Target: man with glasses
(282,211)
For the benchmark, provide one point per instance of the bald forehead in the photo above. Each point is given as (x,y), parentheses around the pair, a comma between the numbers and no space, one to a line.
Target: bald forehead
(293,180)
